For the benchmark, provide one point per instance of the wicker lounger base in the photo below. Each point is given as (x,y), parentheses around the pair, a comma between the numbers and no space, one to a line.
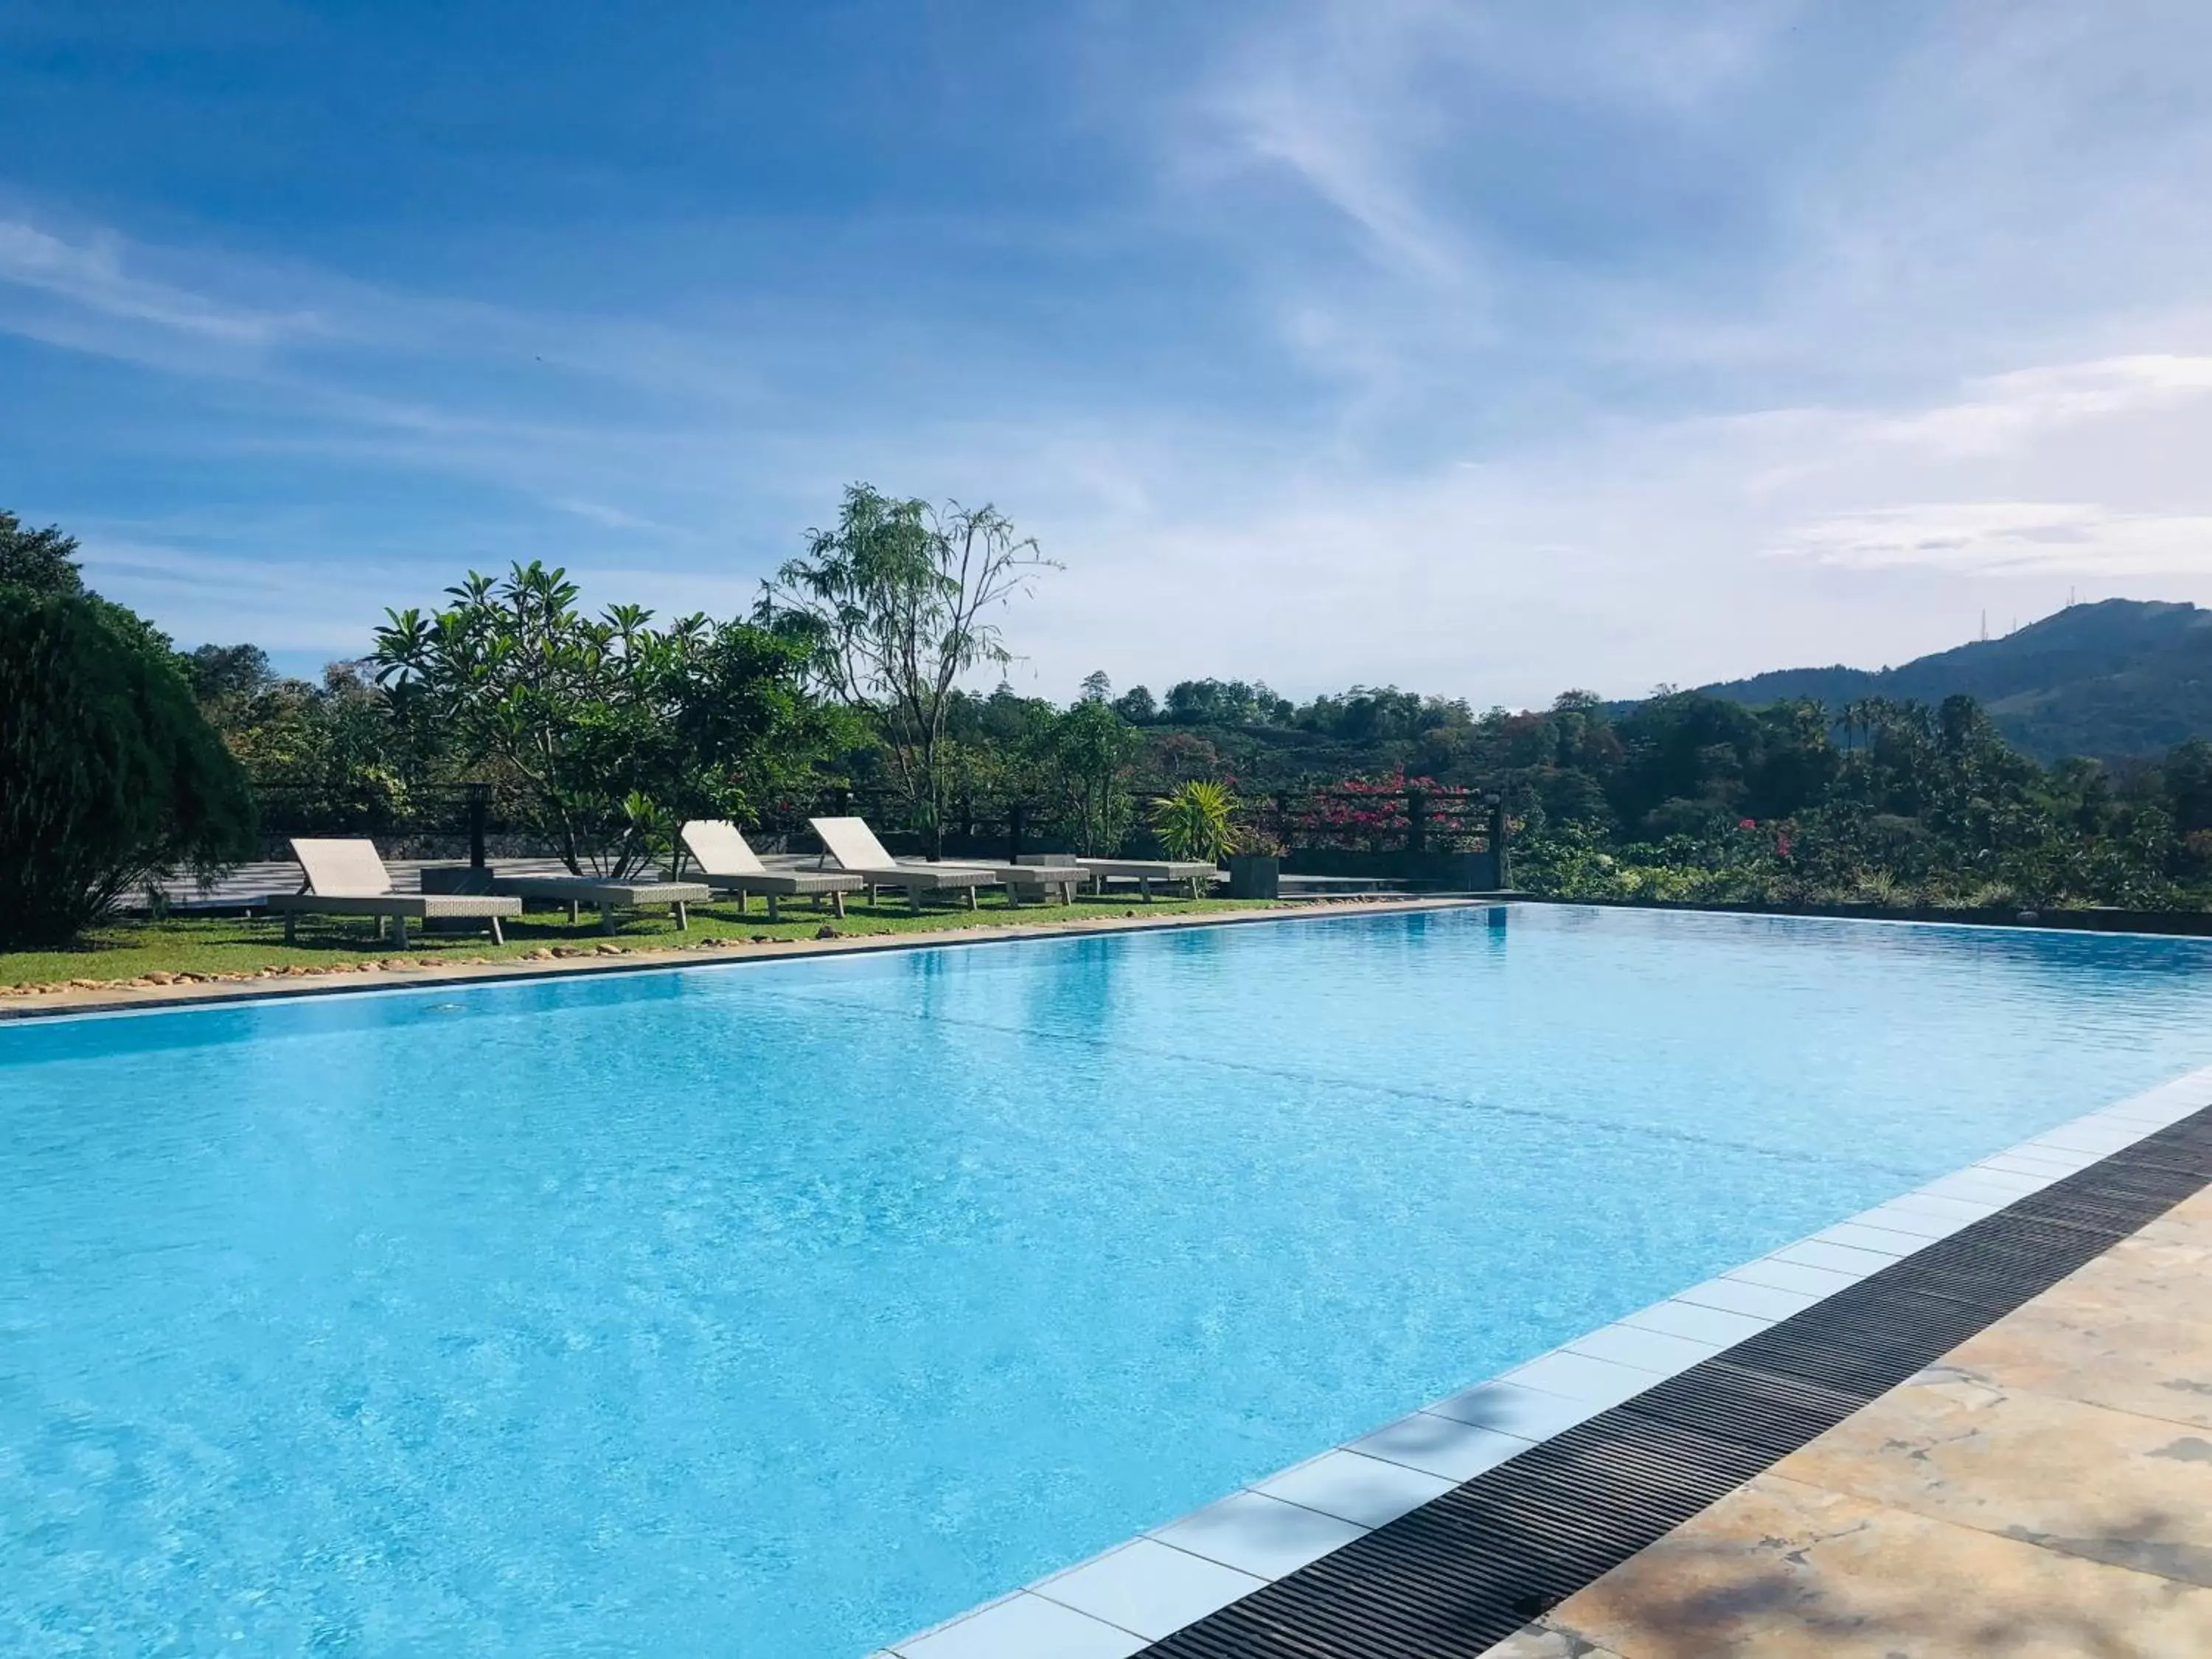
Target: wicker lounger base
(914,880)
(1020,880)
(777,887)
(397,909)
(1023,880)
(606,896)
(1145,872)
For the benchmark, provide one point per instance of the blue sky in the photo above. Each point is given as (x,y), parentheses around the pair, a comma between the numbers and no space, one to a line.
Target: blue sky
(1483,349)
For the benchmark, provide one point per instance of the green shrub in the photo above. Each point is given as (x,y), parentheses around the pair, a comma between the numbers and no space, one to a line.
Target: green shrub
(1197,820)
(108,771)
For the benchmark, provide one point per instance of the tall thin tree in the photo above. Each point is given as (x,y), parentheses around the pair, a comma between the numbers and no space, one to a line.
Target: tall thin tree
(895,604)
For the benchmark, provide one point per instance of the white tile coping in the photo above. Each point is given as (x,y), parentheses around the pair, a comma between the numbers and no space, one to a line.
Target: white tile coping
(1118,1603)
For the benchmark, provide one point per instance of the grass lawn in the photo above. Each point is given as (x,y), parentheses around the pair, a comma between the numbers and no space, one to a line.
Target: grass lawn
(235,947)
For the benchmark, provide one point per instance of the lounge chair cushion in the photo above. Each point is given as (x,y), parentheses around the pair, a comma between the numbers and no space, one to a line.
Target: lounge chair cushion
(1169,869)
(853,844)
(718,850)
(798,882)
(590,890)
(346,878)
(342,869)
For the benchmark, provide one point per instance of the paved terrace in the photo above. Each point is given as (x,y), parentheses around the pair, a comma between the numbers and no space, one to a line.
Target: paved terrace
(2044,1489)
(247,885)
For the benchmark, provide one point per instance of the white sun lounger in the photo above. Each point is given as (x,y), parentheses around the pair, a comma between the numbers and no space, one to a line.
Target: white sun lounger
(852,846)
(347,878)
(1035,876)
(727,864)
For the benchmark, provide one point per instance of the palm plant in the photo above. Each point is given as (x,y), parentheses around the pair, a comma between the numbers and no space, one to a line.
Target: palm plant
(1197,820)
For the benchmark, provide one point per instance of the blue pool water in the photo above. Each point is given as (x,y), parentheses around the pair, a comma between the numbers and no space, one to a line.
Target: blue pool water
(780,1309)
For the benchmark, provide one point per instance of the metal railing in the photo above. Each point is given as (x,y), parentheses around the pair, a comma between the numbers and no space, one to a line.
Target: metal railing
(1383,820)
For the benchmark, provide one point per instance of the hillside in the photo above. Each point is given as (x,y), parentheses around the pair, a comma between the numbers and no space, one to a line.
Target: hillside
(2118,678)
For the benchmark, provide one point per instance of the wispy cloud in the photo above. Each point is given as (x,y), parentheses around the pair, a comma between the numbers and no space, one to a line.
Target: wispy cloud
(92,288)
(1486,348)
(95,276)
(2010,539)
(2006,411)
(1313,102)
(589,417)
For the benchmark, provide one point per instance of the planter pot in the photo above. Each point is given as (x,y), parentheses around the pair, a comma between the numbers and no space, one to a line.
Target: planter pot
(458,878)
(1255,877)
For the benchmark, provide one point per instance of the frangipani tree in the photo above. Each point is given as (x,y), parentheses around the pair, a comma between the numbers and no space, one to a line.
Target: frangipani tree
(607,730)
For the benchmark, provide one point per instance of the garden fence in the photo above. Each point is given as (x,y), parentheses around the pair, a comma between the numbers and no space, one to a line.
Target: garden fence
(474,821)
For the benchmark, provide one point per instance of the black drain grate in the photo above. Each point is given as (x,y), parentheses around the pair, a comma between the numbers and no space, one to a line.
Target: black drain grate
(1468,1569)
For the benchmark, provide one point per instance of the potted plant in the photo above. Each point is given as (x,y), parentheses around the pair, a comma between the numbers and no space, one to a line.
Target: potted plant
(1255,869)
(1198,820)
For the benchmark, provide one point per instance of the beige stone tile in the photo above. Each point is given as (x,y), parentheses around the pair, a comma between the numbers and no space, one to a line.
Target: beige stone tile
(2044,1492)
(1780,1569)
(2170,1229)
(2086,1480)
(1542,1641)
(2131,1331)
(2189,1222)
(2149,1262)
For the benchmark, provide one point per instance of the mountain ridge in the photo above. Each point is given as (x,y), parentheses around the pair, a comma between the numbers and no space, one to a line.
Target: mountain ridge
(2113,680)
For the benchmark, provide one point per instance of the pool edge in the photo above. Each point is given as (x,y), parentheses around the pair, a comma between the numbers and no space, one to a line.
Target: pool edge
(678,959)
(1459,1439)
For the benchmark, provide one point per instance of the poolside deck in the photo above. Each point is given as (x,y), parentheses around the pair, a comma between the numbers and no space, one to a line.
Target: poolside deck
(1987,1430)
(245,885)
(2001,1444)
(2044,1488)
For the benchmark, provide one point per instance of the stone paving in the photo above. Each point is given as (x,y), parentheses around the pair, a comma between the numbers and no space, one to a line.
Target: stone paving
(2044,1490)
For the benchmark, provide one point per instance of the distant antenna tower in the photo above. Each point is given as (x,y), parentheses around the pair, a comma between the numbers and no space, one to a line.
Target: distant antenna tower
(1986,624)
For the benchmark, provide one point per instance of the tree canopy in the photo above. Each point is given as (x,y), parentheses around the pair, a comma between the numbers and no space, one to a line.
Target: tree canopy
(610,731)
(854,680)
(893,605)
(108,771)
(42,562)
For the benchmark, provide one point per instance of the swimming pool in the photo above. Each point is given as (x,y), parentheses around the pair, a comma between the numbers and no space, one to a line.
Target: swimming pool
(780,1309)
